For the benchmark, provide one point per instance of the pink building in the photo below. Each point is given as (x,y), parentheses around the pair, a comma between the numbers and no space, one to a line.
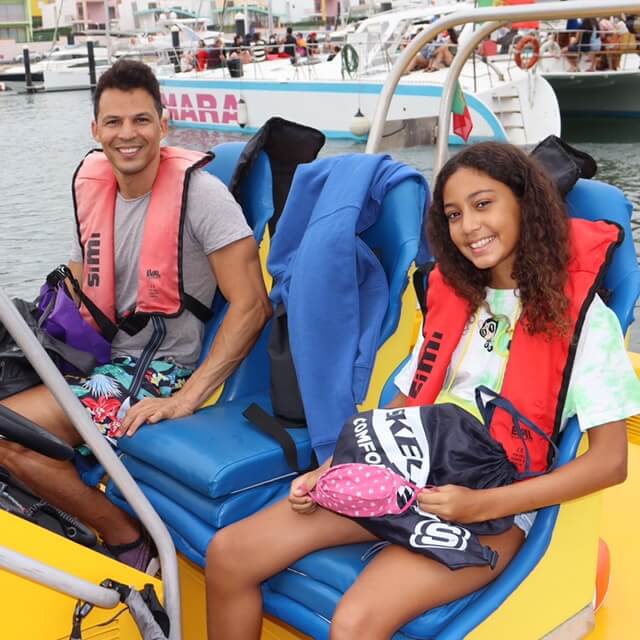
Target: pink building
(90,14)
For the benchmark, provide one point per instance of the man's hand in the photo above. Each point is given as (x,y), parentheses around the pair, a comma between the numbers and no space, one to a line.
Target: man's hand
(453,503)
(152,410)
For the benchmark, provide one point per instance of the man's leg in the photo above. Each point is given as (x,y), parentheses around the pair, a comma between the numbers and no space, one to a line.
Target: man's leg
(59,482)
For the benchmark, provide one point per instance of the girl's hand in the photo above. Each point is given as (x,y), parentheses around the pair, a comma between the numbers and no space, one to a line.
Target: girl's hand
(298,494)
(453,503)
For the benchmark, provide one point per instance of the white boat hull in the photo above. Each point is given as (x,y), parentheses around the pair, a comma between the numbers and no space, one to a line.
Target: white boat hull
(598,94)
(329,105)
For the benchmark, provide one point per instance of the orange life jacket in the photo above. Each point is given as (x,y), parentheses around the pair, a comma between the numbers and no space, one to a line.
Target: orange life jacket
(160,278)
(537,376)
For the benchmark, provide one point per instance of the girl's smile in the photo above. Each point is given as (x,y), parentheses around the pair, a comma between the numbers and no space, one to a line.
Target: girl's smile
(484,223)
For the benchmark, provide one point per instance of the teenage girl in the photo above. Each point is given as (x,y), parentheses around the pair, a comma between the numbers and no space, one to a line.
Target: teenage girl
(499,231)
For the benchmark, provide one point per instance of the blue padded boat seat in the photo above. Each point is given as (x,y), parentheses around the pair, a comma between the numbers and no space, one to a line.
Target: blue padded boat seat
(256,199)
(306,596)
(192,530)
(202,463)
(217,512)
(216,452)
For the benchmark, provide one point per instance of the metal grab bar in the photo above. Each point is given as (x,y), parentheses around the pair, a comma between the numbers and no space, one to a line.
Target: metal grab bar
(50,375)
(501,15)
(61,581)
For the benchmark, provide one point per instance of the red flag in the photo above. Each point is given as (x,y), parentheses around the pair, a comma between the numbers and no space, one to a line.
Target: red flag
(462,123)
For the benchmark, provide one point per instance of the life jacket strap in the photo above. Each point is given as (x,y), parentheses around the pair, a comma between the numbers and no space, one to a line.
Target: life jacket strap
(199,310)
(486,411)
(107,328)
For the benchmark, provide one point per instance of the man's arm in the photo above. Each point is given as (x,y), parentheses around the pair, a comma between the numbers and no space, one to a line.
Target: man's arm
(239,276)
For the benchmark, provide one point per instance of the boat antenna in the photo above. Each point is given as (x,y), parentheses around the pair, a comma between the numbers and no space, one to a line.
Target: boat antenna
(107,29)
(55,30)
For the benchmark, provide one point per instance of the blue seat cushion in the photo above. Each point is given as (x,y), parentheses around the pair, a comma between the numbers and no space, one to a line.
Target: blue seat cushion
(218,512)
(318,580)
(193,534)
(217,451)
(194,531)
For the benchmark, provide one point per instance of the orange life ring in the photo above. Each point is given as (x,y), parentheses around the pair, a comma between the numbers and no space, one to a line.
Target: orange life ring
(532,44)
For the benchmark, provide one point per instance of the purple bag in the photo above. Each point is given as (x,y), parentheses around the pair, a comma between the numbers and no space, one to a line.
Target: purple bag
(60,317)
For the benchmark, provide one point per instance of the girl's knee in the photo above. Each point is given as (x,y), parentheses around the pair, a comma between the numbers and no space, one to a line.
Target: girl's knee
(353,619)
(226,559)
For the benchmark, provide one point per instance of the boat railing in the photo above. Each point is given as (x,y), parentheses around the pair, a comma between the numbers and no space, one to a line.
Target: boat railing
(488,20)
(61,580)
(562,50)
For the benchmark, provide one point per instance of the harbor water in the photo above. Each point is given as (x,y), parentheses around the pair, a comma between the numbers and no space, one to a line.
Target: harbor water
(44,136)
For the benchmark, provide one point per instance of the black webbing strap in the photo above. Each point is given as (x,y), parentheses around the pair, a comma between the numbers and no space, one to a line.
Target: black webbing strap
(107,328)
(276,428)
(420,283)
(132,323)
(199,310)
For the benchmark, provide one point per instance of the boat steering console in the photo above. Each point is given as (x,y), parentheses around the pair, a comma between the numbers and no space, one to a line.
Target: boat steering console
(18,429)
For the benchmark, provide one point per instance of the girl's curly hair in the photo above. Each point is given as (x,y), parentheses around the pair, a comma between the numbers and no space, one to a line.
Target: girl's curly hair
(542,252)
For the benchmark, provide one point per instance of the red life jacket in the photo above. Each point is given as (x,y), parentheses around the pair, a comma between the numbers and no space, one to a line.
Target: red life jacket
(537,376)
(160,278)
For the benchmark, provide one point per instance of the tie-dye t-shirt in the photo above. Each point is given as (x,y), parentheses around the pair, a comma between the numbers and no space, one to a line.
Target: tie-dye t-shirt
(603,386)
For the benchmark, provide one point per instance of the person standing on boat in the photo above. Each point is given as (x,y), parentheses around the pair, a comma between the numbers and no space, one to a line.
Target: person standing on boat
(511,308)
(150,225)
(290,44)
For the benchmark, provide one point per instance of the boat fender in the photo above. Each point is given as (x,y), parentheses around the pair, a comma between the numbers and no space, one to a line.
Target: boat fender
(530,47)
(3,87)
(243,113)
(360,124)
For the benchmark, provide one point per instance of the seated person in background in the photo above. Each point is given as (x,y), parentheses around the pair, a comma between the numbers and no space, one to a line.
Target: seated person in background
(505,38)
(258,48)
(202,56)
(233,52)
(216,58)
(436,54)
(313,47)
(610,37)
(334,52)
(188,61)
(487,202)
(152,375)
(274,47)
(301,46)
(591,42)
(574,43)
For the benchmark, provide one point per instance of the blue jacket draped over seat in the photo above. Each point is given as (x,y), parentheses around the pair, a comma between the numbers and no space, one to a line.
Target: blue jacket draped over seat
(332,284)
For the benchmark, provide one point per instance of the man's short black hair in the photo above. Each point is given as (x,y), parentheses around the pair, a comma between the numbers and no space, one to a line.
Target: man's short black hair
(289,30)
(127,75)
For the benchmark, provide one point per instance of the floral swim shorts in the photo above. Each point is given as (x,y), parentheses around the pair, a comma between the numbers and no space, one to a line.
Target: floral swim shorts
(108,386)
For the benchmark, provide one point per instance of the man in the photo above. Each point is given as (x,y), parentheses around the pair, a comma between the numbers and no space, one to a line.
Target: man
(290,44)
(123,265)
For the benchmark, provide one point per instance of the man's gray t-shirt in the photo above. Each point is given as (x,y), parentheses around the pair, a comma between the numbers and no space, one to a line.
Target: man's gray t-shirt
(213,220)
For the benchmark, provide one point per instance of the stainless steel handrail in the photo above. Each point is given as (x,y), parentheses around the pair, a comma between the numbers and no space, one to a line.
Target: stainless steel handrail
(501,15)
(53,379)
(59,580)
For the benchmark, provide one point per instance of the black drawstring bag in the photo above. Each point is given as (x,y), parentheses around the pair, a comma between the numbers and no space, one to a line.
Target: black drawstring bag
(564,163)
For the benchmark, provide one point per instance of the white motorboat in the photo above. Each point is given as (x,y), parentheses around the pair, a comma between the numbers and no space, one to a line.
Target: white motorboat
(328,94)
(64,69)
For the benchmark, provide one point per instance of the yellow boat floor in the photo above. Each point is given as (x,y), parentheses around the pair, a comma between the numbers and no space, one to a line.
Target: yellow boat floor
(617,618)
